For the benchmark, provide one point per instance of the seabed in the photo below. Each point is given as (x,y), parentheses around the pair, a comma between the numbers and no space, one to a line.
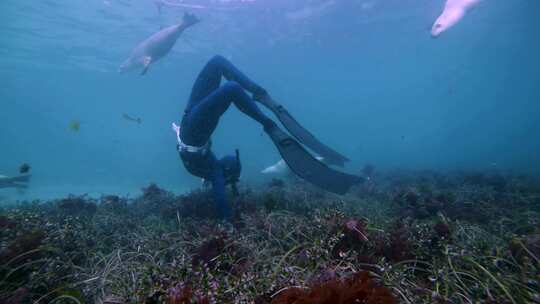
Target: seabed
(402,237)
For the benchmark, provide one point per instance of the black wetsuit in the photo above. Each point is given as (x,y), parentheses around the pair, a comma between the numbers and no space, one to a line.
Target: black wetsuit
(208,101)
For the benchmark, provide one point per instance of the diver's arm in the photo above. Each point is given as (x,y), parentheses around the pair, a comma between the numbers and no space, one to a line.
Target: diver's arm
(218,186)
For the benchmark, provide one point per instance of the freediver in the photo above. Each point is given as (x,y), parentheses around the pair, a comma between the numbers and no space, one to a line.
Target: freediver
(209,100)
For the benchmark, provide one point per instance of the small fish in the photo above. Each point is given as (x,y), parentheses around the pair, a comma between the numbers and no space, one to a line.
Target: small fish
(24,168)
(134,119)
(75,125)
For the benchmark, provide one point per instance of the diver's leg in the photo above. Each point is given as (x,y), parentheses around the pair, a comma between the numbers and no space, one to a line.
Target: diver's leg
(232,73)
(209,79)
(202,120)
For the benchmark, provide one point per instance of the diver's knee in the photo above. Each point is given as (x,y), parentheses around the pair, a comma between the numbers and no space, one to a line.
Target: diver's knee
(232,87)
(217,60)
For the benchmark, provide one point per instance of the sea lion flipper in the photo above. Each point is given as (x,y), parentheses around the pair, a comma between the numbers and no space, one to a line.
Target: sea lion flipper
(146,63)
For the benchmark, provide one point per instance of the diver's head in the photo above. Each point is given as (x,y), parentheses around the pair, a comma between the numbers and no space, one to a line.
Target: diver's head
(232,168)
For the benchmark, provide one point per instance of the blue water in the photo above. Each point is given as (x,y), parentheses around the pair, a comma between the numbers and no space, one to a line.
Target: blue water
(364,76)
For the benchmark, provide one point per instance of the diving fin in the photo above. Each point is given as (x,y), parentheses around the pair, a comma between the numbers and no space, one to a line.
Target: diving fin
(330,156)
(303,164)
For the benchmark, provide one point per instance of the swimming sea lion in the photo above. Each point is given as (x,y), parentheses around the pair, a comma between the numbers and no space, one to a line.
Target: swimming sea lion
(454,10)
(156,46)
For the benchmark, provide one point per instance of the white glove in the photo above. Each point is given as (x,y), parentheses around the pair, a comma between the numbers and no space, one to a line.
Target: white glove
(176,129)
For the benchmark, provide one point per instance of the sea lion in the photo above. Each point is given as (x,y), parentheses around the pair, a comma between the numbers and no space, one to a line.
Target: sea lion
(156,46)
(454,10)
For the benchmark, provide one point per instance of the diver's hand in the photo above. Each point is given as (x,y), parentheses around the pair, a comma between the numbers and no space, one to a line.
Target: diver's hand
(189,20)
(176,130)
